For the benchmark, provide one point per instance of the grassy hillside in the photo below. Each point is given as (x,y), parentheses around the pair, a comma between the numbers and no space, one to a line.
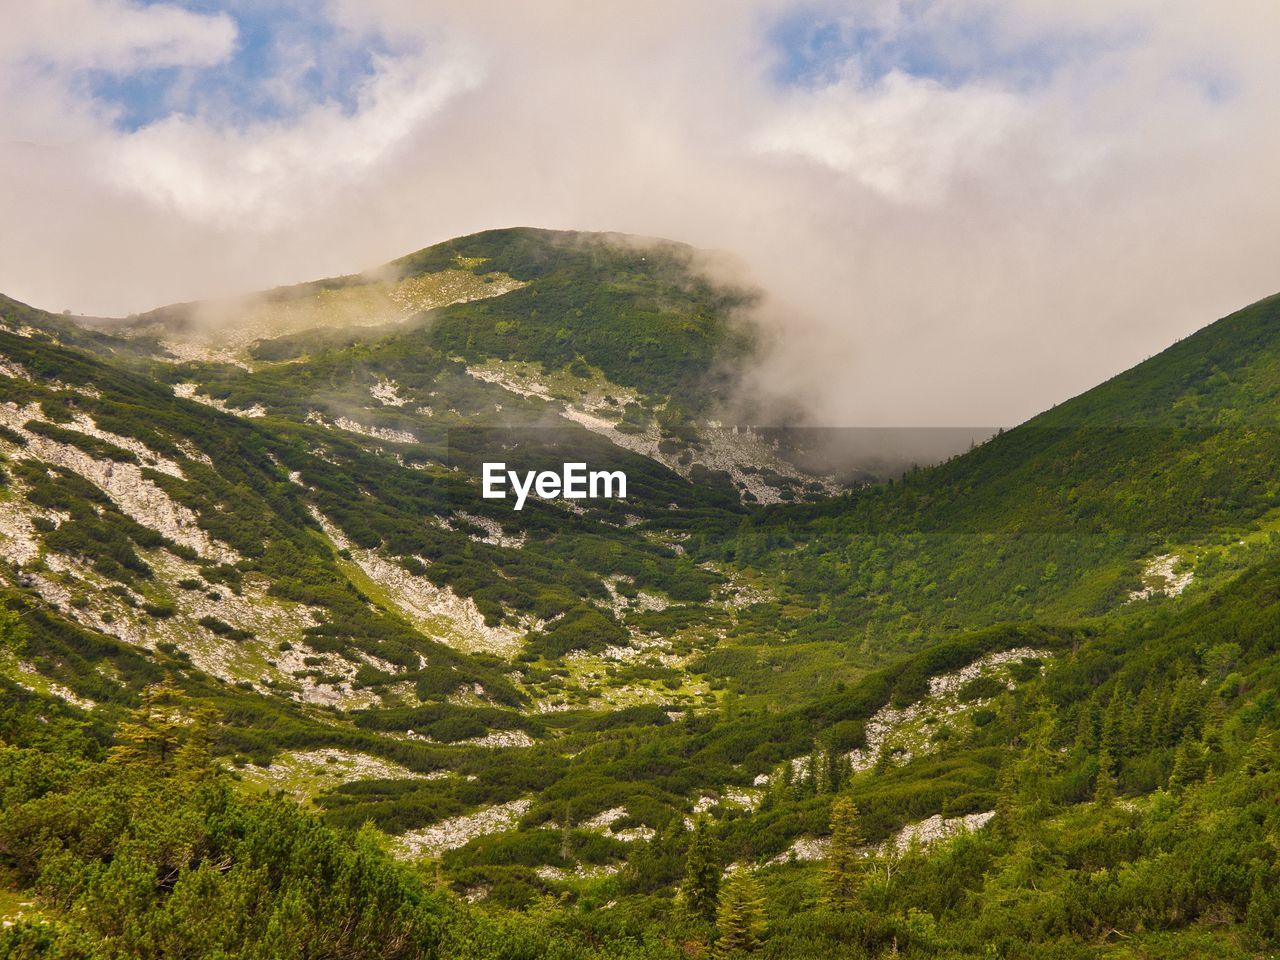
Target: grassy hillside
(266,648)
(1061,517)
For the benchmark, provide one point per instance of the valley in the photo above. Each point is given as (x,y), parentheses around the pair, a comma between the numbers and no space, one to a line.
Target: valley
(261,621)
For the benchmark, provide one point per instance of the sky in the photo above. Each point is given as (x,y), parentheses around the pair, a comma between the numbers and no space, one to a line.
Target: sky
(961,211)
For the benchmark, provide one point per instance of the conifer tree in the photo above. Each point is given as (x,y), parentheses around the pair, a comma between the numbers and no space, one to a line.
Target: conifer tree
(1214,721)
(1184,705)
(701,888)
(1261,757)
(154,729)
(1262,918)
(193,760)
(842,874)
(809,782)
(1188,765)
(1039,761)
(1145,721)
(780,786)
(1113,724)
(740,919)
(837,771)
(833,766)
(884,760)
(1104,790)
(821,769)
(1006,818)
(1086,735)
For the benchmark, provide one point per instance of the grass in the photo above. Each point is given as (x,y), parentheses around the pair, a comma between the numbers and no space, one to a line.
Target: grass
(307,774)
(295,310)
(15,904)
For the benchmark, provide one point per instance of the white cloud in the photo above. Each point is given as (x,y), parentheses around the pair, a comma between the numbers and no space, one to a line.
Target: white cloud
(966,252)
(905,137)
(259,178)
(113,35)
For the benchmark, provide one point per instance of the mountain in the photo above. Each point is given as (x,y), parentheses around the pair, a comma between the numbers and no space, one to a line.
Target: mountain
(1169,465)
(279,681)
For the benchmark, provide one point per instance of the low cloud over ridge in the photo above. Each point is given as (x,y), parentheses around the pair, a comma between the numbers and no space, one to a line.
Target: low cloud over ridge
(963,210)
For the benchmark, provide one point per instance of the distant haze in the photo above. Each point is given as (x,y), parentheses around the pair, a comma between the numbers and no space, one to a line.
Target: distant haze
(963,211)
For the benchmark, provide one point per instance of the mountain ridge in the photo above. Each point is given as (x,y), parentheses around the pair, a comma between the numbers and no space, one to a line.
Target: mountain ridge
(1056,637)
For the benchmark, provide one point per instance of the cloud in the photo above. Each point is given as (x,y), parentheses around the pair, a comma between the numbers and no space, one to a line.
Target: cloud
(964,210)
(258,179)
(113,35)
(904,137)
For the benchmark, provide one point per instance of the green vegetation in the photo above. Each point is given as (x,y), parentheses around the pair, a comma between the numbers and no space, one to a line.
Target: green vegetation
(284,686)
(646,325)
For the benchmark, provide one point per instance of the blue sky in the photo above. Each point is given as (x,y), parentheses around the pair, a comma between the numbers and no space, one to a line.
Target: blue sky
(289,56)
(294,43)
(815,48)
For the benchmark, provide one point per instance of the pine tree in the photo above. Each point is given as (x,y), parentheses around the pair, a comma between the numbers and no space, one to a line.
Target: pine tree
(1145,721)
(1184,706)
(832,767)
(867,639)
(193,760)
(1262,918)
(154,729)
(740,920)
(780,784)
(1261,757)
(1191,812)
(842,874)
(1188,765)
(1086,730)
(884,760)
(1007,817)
(841,771)
(701,888)
(1215,719)
(1114,725)
(1104,790)
(1038,764)
(821,768)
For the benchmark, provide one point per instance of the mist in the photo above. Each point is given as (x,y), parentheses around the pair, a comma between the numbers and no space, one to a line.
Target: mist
(959,244)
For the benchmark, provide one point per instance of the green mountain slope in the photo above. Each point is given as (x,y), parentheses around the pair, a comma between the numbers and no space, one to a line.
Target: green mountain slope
(1172,464)
(248,536)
